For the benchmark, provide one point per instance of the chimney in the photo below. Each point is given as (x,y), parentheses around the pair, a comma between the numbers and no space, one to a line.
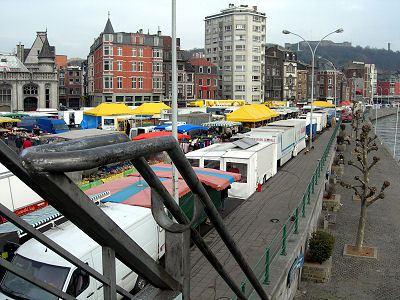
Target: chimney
(388,46)
(141,31)
(159,31)
(20,52)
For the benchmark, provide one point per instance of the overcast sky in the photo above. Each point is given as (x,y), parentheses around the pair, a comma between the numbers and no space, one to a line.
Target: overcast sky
(73,24)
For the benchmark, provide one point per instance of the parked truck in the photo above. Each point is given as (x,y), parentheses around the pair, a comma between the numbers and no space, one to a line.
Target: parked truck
(46,265)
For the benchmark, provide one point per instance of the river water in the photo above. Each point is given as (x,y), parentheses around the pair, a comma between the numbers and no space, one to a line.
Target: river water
(386,131)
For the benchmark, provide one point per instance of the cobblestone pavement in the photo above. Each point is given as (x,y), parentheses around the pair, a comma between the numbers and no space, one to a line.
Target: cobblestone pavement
(250,224)
(363,278)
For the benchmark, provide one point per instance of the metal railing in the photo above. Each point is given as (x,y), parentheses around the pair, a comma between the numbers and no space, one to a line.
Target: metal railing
(277,246)
(43,169)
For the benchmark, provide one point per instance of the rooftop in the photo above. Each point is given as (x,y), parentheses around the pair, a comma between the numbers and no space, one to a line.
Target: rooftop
(10,63)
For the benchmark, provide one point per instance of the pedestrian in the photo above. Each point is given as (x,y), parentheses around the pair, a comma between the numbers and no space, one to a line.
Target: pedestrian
(18,143)
(27,143)
(127,128)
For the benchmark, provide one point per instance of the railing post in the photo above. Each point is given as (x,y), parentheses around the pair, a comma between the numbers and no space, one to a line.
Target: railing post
(283,252)
(108,255)
(266,275)
(296,221)
(313,185)
(243,287)
(309,191)
(303,206)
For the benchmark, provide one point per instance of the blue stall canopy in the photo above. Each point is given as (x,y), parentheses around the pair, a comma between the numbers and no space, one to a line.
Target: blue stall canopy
(90,122)
(189,127)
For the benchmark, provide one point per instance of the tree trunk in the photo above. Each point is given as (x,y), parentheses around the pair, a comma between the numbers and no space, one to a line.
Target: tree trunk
(361,226)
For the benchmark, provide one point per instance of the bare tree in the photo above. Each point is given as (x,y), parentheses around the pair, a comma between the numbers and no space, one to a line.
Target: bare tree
(368,194)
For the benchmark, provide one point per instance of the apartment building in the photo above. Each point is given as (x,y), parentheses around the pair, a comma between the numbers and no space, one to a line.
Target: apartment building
(125,67)
(234,41)
(205,78)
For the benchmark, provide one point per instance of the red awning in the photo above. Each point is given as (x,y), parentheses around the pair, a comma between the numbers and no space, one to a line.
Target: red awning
(156,134)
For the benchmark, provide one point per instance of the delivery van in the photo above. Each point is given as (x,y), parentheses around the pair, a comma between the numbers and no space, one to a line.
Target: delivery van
(44,264)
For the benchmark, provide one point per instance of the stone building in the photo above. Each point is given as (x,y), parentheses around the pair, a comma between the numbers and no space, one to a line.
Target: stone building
(28,80)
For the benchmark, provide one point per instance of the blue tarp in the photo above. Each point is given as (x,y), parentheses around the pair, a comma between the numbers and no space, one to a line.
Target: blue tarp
(162,127)
(90,122)
(189,127)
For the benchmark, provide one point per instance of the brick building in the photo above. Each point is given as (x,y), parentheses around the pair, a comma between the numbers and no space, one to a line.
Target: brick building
(185,73)
(205,78)
(303,77)
(125,67)
(71,86)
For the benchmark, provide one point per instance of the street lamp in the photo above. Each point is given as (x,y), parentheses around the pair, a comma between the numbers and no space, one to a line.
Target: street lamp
(313,51)
(335,70)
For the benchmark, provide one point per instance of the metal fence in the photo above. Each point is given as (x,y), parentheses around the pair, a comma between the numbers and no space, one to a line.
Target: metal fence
(277,246)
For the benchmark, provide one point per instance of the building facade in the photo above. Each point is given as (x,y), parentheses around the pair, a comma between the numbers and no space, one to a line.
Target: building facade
(355,75)
(280,73)
(71,86)
(185,73)
(125,67)
(326,84)
(28,80)
(234,41)
(303,77)
(205,78)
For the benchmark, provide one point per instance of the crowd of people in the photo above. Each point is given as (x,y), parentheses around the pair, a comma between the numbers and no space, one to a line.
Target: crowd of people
(19,139)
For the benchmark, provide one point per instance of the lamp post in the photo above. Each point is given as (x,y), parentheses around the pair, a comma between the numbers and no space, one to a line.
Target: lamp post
(174,101)
(376,107)
(313,51)
(395,134)
(335,70)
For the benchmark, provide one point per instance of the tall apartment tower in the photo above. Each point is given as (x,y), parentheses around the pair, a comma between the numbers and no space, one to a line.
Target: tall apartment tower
(234,41)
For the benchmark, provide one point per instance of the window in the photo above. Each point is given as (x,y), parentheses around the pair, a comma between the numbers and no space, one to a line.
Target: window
(157,53)
(200,69)
(258,68)
(255,88)
(256,28)
(228,48)
(256,58)
(255,98)
(227,38)
(256,49)
(209,70)
(76,80)
(255,78)
(140,82)
(239,168)
(140,66)
(208,50)
(240,68)
(107,50)
(194,162)
(240,47)
(119,51)
(134,82)
(228,58)
(108,82)
(107,66)
(330,81)
(134,66)
(240,27)
(208,81)
(256,38)
(227,68)
(30,89)
(240,57)
(240,78)
(134,52)
(119,65)
(119,82)
(140,52)
(240,37)
(240,88)
(157,67)
(200,81)
(212,164)
(119,38)
(228,28)
(157,83)
(227,78)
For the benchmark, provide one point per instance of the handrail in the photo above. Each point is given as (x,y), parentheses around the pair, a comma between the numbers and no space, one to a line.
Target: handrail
(273,247)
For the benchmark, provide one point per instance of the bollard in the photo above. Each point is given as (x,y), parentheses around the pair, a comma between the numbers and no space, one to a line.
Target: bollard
(266,275)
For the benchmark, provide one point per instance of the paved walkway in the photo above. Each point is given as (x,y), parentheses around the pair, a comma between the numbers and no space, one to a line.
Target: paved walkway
(361,278)
(250,223)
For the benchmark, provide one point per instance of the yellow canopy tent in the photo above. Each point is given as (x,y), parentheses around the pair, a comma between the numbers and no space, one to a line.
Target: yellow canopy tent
(109,109)
(147,109)
(320,103)
(8,120)
(251,113)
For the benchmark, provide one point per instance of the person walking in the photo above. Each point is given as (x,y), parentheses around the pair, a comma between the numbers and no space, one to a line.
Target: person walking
(18,143)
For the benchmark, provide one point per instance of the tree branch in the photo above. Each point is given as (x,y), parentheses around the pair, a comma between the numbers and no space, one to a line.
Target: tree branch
(374,162)
(350,186)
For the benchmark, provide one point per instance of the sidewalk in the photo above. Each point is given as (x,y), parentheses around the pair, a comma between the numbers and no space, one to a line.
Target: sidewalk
(251,226)
(362,278)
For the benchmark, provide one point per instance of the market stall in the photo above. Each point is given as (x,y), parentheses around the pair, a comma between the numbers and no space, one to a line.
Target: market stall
(253,114)
(108,116)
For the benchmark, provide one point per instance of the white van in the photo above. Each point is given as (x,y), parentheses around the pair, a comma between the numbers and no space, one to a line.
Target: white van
(47,266)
